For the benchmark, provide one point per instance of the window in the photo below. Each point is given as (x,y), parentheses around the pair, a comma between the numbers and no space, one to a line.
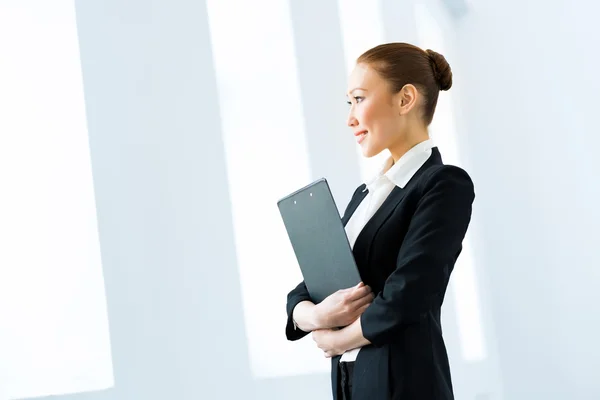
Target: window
(443,131)
(54,336)
(362,29)
(266,157)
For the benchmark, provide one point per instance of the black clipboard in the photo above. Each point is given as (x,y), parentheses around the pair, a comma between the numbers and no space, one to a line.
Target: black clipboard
(319,240)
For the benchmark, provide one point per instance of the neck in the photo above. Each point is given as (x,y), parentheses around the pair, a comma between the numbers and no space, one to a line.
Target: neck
(410,141)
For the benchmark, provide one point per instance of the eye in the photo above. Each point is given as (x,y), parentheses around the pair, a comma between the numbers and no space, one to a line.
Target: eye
(357,99)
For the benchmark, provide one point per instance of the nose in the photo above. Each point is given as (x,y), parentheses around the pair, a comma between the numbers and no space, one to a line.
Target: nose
(352,121)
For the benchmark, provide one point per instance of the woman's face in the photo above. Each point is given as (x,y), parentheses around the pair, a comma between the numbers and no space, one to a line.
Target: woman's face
(374,115)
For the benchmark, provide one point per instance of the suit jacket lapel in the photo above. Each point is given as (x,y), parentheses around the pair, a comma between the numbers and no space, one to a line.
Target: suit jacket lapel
(380,216)
(365,237)
(354,202)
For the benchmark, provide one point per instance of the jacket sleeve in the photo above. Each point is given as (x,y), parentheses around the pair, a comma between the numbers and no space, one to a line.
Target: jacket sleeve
(430,247)
(299,294)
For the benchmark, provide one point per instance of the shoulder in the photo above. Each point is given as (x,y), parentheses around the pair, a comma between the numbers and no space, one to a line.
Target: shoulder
(447,178)
(446,172)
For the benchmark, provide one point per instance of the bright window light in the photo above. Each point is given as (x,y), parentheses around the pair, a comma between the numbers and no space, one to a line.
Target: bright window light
(362,29)
(54,336)
(443,130)
(266,156)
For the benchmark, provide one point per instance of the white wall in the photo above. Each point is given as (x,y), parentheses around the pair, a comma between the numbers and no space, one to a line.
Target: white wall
(525,84)
(54,331)
(165,227)
(530,94)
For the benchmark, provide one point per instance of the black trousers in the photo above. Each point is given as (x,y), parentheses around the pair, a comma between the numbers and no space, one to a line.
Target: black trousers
(345,370)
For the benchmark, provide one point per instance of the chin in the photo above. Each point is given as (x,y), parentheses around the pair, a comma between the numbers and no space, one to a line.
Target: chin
(368,152)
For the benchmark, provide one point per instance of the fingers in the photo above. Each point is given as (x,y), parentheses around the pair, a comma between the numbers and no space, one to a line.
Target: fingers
(359,292)
(365,300)
(363,288)
(352,289)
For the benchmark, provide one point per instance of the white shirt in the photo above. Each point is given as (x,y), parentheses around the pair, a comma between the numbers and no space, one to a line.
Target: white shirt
(380,187)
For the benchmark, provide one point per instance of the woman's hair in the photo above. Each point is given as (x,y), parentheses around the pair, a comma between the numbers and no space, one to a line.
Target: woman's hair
(402,63)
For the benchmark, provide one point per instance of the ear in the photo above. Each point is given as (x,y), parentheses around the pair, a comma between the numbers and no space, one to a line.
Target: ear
(407,98)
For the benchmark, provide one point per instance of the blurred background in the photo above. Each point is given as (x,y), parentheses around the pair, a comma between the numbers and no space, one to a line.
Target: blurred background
(144,144)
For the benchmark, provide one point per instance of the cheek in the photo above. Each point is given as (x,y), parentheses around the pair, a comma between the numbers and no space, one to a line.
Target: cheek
(375,120)
(368,116)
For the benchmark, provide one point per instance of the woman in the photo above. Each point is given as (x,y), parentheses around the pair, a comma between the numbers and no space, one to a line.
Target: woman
(406,227)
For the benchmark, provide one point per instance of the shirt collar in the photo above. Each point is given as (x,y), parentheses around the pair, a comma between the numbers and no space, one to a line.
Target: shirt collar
(405,168)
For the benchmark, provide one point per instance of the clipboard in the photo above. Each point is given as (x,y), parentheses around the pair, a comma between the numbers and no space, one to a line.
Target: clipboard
(319,240)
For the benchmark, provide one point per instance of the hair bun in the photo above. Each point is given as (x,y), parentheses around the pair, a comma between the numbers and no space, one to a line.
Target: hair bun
(441,69)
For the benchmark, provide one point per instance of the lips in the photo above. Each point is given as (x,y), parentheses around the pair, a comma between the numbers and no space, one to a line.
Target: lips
(360,136)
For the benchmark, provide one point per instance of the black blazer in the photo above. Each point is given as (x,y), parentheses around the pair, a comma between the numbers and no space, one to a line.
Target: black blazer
(405,253)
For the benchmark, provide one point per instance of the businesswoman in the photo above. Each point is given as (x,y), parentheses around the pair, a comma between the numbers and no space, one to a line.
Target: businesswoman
(406,226)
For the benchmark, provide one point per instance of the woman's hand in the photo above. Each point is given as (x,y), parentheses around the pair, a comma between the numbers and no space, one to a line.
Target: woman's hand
(344,306)
(336,342)
(326,340)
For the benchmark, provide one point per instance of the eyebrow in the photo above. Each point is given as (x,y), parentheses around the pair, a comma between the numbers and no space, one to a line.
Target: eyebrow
(355,89)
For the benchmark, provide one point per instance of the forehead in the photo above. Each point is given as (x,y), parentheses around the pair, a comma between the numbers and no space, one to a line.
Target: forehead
(363,76)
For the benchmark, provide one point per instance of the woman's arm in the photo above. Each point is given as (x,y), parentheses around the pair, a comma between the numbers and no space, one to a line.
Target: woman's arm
(351,337)
(337,342)
(431,244)
(430,247)
(297,296)
(337,310)
(305,316)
